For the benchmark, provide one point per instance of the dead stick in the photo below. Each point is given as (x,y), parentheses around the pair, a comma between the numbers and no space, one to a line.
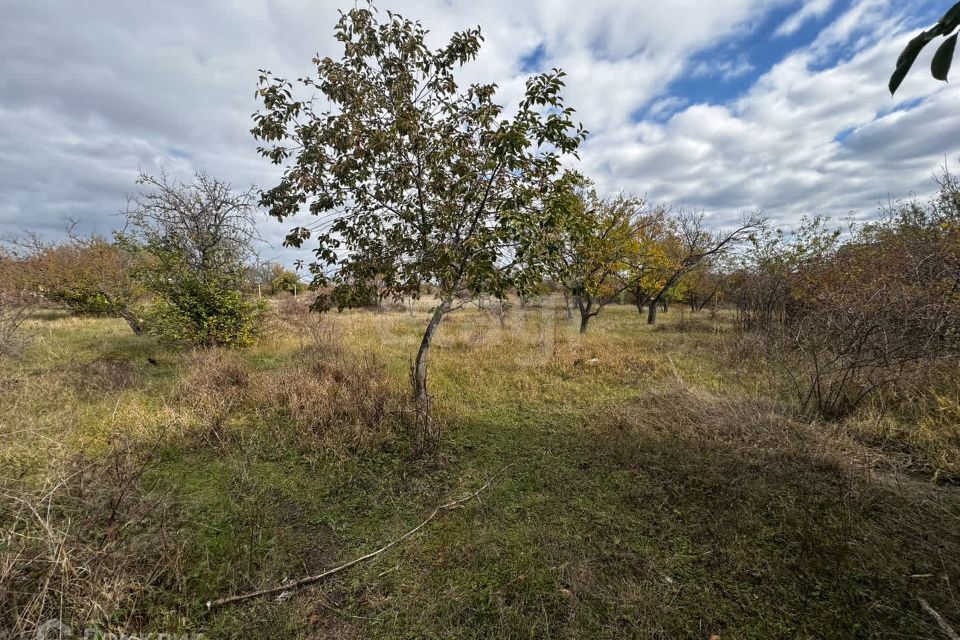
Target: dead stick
(320,576)
(946,628)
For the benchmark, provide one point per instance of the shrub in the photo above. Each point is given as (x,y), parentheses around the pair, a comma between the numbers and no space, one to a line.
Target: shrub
(205,314)
(86,276)
(193,240)
(848,322)
(214,386)
(13,313)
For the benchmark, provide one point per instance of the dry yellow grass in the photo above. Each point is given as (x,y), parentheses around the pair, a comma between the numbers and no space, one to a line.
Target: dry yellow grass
(662,487)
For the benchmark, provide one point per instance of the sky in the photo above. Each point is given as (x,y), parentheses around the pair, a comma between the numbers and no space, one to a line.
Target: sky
(728,106)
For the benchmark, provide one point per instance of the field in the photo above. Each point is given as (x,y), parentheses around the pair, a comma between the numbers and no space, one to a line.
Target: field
(657,485)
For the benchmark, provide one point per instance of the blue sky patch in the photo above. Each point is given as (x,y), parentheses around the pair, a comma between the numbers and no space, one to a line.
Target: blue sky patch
(532,62)
(843,135)
(757,48)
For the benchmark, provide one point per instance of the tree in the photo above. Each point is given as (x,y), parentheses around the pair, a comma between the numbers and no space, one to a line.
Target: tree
(85,275)
(942,59)
(602,239)
(685,246)
(767,273)
(283,281)
(193,241)
(415,180)
(703,285)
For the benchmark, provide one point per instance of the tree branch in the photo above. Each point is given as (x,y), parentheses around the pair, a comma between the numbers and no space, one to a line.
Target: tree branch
(308,580)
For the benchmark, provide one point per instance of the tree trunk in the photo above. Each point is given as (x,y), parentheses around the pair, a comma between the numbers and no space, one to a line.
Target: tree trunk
(584,321)
(652,312)
(133,321)
(585,315)
(126,313)
(566,305)
(638,299)
(426,436)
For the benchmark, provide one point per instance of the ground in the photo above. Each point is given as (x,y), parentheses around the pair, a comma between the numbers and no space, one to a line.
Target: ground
(659,486)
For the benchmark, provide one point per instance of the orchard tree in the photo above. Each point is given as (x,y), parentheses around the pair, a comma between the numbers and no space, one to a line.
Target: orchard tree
(85,275)
(703,285)
(194,241)
(283,281)
(602,239)
(415,180)
(686,246)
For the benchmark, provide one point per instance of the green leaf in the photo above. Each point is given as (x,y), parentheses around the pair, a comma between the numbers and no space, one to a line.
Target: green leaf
(950,19)
(943,58)
(907,57)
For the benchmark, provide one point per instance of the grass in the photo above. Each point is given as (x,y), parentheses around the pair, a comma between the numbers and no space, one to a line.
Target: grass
(659,489)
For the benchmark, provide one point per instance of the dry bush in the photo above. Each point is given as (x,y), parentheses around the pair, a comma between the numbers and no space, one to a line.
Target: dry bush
(105,375)
(294,310)
(316,330)
(214,385)
(341,403)
(848,321)
(88,545)
(13,313)
(757,429)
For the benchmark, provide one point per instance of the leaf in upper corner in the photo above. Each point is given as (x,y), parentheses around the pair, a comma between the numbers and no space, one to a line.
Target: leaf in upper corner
(950,19)
(943,58)
(906,60)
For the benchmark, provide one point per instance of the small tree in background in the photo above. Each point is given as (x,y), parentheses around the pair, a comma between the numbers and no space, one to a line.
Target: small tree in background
(686,245)
(86,276)
(283,281)
(766,274)
(415,180)
(601,241)
(193,241)
(703,286)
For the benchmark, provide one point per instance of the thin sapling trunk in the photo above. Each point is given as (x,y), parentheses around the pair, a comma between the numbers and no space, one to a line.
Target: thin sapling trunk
(426,435)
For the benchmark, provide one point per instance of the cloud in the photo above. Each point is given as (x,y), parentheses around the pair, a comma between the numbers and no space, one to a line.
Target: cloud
(723,69)
(811,10)
(92,92)
(777,147)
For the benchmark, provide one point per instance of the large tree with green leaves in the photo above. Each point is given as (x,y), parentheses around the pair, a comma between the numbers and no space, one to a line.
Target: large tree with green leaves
(414,179)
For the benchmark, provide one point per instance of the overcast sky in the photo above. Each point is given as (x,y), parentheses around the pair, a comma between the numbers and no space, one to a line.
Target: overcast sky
(725,105)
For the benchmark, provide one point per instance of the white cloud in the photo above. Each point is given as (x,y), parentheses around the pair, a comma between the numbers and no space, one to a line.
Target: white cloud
(723,69)
(811,9)
(775,148)
(90,92)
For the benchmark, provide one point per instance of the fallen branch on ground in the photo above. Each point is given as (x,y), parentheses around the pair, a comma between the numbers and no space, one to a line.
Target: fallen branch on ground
(946,628)
(302,582)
